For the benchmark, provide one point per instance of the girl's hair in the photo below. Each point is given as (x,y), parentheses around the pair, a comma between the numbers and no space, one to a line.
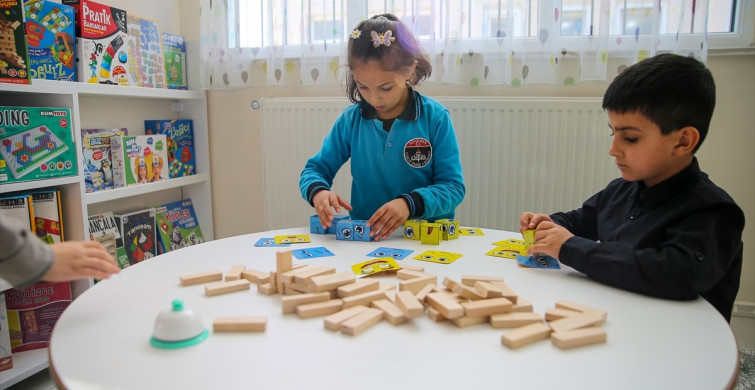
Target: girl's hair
(401,53)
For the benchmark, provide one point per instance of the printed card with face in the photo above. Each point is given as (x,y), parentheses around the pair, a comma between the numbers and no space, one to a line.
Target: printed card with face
(438,257)
(506,252)
(293,239)
(511,243)
(269,241)
(312,253)
(541,261)
(374,266)
(398,254)
(470,231)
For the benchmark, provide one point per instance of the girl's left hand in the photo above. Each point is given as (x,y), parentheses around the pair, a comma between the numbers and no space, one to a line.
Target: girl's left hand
(388,218)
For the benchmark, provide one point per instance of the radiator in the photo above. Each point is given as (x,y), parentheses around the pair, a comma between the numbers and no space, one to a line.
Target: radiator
(518,154)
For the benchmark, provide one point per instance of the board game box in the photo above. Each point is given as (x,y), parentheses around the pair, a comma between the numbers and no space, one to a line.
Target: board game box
(6,358)
(52,40)
(48,216)
(35,143)
(177,226)
(103,228)
(18,208)
(145,53)
(14,53)
(139,159)
(98,163)
(180,136)
(138,232)
(174,49)
(32,313)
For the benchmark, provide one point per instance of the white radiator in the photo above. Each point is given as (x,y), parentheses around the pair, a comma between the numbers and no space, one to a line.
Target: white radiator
(535,154)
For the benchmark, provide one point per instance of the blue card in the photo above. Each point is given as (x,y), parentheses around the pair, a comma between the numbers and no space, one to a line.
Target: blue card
(270,241)
(394,253)
(542,261)
(311,253)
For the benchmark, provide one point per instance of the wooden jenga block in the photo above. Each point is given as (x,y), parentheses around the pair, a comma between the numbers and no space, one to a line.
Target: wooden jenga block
(576,322)
(363,298)
(409,304)
(552,313)
(413,268)
(522,305)
(463,322)
(435,315)
(289,303)
(423,293)
(449,283)
(361,322)
(331,281)
(514,319)
(266,288)
(406,274)
(391,312)
(387,286)
(305,277)
(255,276)
(488,290)
(579,337)
(288,276)
(319,309)
(234,273)
(569,305)
(391,295)
(469,280)
(333,321)
(446,305)
(200,277)
(358,287)
(283,263)
(467,292)
(416,284)
(239,324)
(226,287)
(486,307)
(525,335)
(506,291)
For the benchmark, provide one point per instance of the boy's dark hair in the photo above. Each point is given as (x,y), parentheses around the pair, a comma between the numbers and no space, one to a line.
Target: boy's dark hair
(671,90)
(402,52)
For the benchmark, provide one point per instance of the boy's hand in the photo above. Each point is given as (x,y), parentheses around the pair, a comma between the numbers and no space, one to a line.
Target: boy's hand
(80,259)
(324,201)
(388,218)
(548,239)
(529,220)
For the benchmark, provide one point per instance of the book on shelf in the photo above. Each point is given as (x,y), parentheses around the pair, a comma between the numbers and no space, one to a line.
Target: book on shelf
(138,232)
(103,228)
(145,53)
(177,226)
(14,52)
(32,313)
(48,215)
(51,37)
(98,162)
(174,48)
(180,137)
(139,159)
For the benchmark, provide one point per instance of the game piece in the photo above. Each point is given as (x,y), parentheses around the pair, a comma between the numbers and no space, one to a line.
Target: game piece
(539,261)
(363,298)
(464,322)
(255,276)
(470,231)
(397,254)
(552,313)
(266,288)
(446,305)
(239,324)
(467,292)
(290,302)
(409,304)
(450,229)
(391,295)
(292,239)
(435,315)
(305,277)
(514,320)
(201,277)
(405,274)
(318,309)
(506,291)
(488,290)
(360,231)
(525,335)
(578,337)
(430,233)
(449,283)
(283,263)
(569,305)
(361,322)
(522,306)
(226,287)
(315,227)
(344,230)
(333,322)
(374,266)
(576,322)
(234,273)
(269,241)
(422,294)
(438,257)
(412,229)
(331,281)
(391,312)
(469,280)
(416,284)
(358,287)
(529,238)
(412,268)
(312,253)
(486,307)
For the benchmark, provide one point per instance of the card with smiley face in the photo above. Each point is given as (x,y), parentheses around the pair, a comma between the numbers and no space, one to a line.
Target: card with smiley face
(438,257)
(293,239)
(312,253)
(374,266)
(397,254)
(470,231)
(268,241)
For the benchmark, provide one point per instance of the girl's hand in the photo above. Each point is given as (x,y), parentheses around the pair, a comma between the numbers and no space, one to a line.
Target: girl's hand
(325,201)
(388,218)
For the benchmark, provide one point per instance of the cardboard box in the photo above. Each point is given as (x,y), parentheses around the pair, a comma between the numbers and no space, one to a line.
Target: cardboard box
(177,226)
(174,51)
(180,135)
(145,53)
(18,208)
(14,53)
(139,159)
(48,216)
(103,228)
(32,313)
(51,37)
(139,234)
(98,163)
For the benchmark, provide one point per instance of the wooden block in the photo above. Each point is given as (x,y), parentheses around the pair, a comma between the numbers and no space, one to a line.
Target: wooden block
(391,312)
(319,309)
(507,291)
(413,268)
(514,319)
(449,283)
(446,305)
(525,335)
(239,324)
(467,292)
(416,284)
(304,277)
(255,276)
(333,321)
(226,287)
(522,305)
(331,281)
(289,303)
(387,286)
(486,307)
(469,280)
(405,274)
(234,273)
(200,277)
(552,313)
(463,322)
(576,322)
(423,293)
(361,322)
(409,304)
(488,290)
(435,315)
(283,263)
(287,277)
(569,305)
(358,287)
(266,288)
(391,295)
(579,337)
(363,299)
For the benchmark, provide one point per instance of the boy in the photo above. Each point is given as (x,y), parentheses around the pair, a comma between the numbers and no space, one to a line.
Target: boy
(663,228)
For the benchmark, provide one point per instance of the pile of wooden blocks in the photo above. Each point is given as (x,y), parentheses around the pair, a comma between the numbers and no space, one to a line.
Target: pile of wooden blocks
(352,305)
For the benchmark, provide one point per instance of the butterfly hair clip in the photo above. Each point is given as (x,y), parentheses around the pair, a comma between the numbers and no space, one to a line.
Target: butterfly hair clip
(382,39)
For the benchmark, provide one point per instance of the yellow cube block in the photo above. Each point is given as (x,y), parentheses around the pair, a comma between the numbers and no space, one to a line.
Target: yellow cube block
(450,228)
(431,233)
(529,238)
(412,230)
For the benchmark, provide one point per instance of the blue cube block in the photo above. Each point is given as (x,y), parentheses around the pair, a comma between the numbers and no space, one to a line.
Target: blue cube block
(361,231)
(345,230)
(336,219)
(315,227)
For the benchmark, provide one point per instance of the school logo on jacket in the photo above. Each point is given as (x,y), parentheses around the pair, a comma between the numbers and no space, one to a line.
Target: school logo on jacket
(418,152)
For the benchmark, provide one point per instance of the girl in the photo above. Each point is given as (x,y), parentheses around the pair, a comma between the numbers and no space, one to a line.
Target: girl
(404,156)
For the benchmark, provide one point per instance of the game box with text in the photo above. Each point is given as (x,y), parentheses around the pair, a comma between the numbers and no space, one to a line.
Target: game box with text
(104,229)
(98,163)
(137,230)
(180,137)
(48,216)
(174,49)
(177,226)
(52,40)
(33,312)
(139,159)
(145,53)
(14,52)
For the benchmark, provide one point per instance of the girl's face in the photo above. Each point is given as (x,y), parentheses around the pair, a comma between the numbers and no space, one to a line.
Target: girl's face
(142,172)
(386,91)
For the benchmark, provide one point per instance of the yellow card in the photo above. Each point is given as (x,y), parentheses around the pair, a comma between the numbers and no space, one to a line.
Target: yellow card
(506,252)
(373,266)
(438,257)
(295,239)
(470,231)
(511,243)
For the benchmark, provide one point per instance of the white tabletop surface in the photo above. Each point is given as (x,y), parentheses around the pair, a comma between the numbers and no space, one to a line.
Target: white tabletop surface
(102,340)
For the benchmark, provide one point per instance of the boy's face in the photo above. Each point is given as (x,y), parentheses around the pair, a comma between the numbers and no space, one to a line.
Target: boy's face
(641,152)
(383,90)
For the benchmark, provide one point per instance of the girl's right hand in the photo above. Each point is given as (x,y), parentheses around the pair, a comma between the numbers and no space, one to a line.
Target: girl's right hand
(325,202)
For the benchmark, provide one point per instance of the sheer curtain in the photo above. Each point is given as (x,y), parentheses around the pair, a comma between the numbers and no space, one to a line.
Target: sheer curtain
(469,42)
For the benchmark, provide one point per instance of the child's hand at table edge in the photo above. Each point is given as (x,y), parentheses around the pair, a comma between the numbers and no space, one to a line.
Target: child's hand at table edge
(388,218)
(324,202)
(548,239)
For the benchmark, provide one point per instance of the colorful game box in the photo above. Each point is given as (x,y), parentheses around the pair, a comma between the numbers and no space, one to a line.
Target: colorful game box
(177,226)
(48,216)
(35,143)
(138,232)
(98,163)
(19,209)
(180,134)
(174,49)
(14,53)
(101,49)
(139,159)
(6,359)
(145,53)
(104,229)
(32,313)
(51,37)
